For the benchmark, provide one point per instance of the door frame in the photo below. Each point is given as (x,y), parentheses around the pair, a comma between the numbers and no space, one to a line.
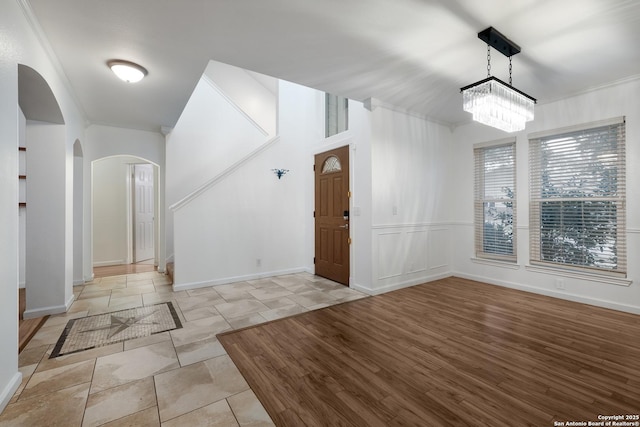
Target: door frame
(343,141)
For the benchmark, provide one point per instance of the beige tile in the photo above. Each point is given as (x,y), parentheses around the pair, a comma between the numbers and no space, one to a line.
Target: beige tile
(240,308)
(234,287)
(32,356)
(279,302)
(155,298)
(165,280)
(249,411)
(147,418)
(270,293)
(139,282)
(105,285)
(233,295)
(200,313)
(121,368)
(60,408)
(86,294)
(80,356)
(44,382)
(89,305)
(119,402)
(183,390)
(280,313)
(144,341)
(346,293)
(199,301)
(201,291)
(137,290)
(26,372)
(45,336)
(309,299)
(123,303)
(197,330)
(248,320)
(199,350)
(63,319)
(217,414)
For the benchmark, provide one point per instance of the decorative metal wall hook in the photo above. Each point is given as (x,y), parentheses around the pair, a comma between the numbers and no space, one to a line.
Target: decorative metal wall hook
(280,172)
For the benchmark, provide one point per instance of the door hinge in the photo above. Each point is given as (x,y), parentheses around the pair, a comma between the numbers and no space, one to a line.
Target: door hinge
(349,240)
(314,214)
(349,194)
(314,168)
(314,260)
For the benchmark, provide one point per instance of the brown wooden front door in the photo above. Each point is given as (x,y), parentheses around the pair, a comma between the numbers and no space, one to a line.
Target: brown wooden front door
(332,215)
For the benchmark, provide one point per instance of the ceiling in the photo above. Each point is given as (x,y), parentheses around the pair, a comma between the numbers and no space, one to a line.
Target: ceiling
(413,54)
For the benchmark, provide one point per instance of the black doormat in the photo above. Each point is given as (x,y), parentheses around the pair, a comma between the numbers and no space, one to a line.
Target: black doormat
(104,329)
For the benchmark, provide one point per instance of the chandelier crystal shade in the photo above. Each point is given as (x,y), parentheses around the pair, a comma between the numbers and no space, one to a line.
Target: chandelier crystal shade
(493,102)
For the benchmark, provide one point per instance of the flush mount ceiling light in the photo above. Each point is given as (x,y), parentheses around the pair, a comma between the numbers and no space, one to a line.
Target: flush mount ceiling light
(492,101)
(127,71)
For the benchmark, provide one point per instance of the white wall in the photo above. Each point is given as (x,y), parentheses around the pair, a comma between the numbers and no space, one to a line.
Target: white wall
(210,135)
(110,207)
(255,94)
(21,45)
(614,101)
(107,141)
(410,223)
(250,224)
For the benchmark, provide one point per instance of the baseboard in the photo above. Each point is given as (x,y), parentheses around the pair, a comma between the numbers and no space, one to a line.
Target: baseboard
(9,390)
(46,311)
(227,280)
(551,293)
(401,285)
(78,282)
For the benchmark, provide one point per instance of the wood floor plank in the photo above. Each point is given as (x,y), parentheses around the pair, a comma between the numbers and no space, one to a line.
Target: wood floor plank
(449,352)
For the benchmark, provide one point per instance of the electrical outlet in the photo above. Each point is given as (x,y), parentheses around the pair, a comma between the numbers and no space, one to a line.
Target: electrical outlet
(560,284)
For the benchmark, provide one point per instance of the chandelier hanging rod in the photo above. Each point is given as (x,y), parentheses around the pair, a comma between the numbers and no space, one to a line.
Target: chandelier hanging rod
(499,42)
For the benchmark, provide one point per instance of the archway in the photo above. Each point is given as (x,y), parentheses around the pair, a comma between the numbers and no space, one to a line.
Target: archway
(44,209)
(113,189)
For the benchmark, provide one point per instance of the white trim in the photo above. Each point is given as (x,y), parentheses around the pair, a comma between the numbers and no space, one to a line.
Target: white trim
(231,102)
(53,58)
(495,143)
(413,225)
(401,285)
(222,175)
(551,293)
(234,279)
(10,389)
(600,278)
(372,104)
(576,128)
(45,311)
(496,263)
(78,282)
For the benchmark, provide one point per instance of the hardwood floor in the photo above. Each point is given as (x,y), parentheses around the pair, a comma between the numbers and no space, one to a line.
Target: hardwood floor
(117,270)
(27,328)
(450,352)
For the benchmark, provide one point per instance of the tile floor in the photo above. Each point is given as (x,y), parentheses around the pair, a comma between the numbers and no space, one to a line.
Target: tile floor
(177,378)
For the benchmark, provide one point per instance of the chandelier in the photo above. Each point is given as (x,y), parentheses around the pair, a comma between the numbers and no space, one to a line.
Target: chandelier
(492,101)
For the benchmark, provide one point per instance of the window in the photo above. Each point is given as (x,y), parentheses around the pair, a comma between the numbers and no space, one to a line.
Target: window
(577,209)
(336,114)
(495,201)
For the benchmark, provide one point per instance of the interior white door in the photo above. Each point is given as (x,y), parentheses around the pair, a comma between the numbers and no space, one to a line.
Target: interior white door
(143,217)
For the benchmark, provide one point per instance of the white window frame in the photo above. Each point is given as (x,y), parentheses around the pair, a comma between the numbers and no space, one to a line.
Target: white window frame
(481,200)
(336,114)
(581,136)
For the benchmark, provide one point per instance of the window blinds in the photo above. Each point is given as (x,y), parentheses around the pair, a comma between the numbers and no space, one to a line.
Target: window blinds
(495,201)
(577,209)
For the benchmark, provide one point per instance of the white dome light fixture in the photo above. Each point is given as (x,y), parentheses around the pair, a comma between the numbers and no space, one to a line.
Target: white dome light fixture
(129,72)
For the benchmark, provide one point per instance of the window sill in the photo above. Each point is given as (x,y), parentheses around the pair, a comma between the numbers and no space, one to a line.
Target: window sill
(496,263)
(601,278)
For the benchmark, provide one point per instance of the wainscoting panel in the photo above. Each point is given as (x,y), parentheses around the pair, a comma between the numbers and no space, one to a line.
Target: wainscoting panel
(409,254)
